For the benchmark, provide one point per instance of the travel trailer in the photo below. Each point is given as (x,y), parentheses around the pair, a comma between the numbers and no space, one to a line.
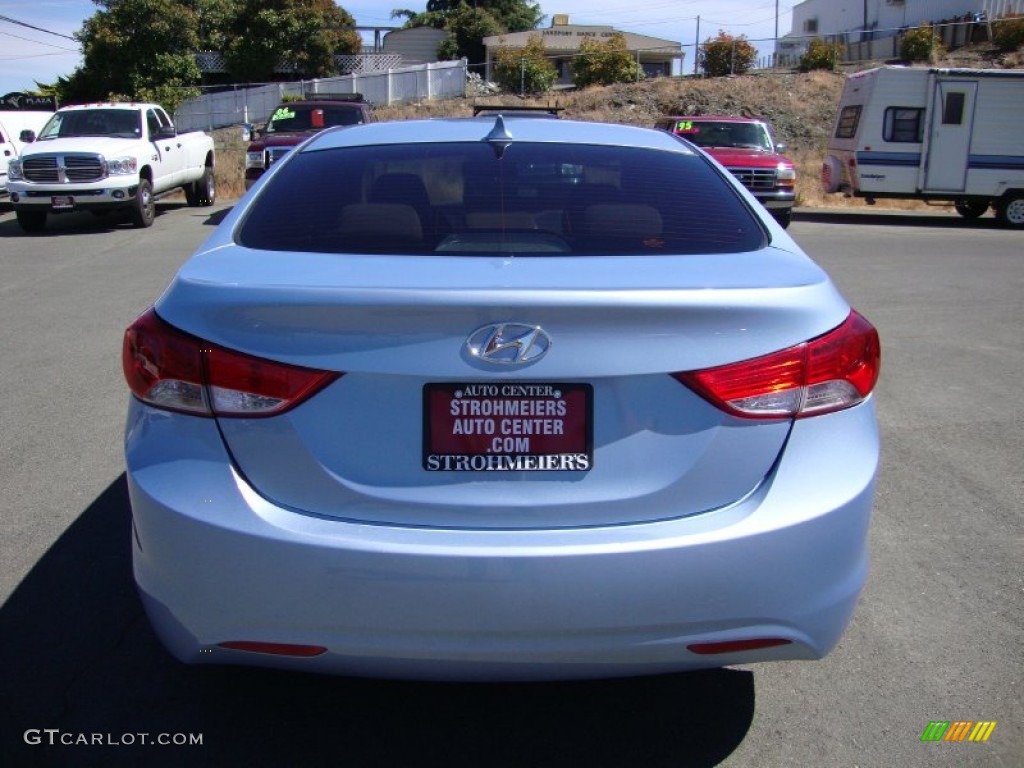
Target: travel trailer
(931,134)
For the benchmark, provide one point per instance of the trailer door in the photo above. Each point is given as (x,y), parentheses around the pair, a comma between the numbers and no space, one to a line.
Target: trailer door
(950,135)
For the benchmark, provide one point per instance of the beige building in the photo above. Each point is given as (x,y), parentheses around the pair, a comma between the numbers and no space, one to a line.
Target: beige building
(562,42)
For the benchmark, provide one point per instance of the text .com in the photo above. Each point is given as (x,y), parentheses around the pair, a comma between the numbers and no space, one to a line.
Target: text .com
(56,737)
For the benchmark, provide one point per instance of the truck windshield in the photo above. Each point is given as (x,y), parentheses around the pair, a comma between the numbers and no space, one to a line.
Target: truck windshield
(289,119)
(710,133)
(114,123)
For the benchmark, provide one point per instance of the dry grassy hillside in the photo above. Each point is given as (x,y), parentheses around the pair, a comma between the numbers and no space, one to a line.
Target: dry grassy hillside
(801,107)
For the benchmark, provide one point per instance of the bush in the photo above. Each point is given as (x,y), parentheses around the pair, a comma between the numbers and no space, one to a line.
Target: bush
(605,63)
(525,70)
(921,44)
(821,55)
(1008,32)
(727,55)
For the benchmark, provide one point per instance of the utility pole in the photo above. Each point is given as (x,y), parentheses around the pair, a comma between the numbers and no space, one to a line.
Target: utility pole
(696,48)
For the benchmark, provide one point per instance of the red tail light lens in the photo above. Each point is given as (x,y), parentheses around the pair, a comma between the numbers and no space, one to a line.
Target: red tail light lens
(826,374)
(170,369)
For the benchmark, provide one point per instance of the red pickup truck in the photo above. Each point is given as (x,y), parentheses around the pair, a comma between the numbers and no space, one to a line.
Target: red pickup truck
(746,147)
(295,121)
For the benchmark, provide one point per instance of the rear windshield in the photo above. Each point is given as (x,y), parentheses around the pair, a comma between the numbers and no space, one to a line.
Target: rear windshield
(471,199)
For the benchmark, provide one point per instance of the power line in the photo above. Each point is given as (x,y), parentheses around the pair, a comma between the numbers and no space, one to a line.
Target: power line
(37,29)
(38,42)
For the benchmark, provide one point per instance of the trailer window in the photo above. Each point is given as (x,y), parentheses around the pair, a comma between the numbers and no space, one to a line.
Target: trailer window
(953,109)
(846,126)
(904,124)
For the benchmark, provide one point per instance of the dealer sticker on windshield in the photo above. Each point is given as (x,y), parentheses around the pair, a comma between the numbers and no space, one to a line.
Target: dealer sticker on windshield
(475,427)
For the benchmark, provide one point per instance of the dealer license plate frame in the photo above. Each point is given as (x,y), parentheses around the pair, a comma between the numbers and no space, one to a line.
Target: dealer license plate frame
(560,418)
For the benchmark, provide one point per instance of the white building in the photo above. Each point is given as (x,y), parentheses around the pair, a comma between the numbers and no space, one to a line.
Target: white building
(876,23)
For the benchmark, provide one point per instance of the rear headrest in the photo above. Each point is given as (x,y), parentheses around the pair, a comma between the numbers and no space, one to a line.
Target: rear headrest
(404,188)
(623,220)
(377,225)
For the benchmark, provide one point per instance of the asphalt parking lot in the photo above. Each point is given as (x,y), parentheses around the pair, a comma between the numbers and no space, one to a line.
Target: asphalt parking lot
(937,636)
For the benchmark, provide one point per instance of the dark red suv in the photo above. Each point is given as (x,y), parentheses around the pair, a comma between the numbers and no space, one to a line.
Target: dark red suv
(295,121)
(746,147)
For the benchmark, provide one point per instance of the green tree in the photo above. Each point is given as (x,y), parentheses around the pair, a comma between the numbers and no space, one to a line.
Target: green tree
(1008,32)
(604,63)
(136,49)
(525,70)
(513,15)
(468,23)
(921,44)
(215,20)
(821,55)
(727,55)
(467,28)
(303,35)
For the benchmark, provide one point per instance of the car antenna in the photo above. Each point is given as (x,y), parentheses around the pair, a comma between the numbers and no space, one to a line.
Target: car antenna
(499,137)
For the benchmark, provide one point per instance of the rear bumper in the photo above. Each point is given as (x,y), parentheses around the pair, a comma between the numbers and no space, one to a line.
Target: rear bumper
(215,562)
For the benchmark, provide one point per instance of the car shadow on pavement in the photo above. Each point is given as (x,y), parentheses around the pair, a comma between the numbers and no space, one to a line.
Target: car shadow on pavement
(81,222)
(84,678)
(218,216)
(894,218)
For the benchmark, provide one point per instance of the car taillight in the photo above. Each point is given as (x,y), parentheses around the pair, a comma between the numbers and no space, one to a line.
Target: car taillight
(828,373)
(170,369)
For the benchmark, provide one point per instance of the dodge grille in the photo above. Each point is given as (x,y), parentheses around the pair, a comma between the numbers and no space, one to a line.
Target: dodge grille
(63,169)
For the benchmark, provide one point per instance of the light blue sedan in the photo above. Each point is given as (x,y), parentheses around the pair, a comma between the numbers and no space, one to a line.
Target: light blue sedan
(492,399)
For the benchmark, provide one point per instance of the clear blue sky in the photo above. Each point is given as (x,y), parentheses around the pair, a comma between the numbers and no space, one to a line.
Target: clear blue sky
(29,55)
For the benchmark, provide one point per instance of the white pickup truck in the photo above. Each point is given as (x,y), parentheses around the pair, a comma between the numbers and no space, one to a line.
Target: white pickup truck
(105,157)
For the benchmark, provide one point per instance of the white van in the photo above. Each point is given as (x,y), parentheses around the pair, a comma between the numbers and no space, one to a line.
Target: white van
(932,134)
(12,123)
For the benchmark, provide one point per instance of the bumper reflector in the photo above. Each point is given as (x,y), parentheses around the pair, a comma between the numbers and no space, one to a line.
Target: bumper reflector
(732,646)
(278,649)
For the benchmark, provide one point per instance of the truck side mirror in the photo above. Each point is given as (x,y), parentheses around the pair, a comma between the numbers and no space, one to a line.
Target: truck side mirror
(166,132)
(27,136)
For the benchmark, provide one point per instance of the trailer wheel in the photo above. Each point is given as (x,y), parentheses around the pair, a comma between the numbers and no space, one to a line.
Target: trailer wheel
(1010,210)
(831,174)
(970,208)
